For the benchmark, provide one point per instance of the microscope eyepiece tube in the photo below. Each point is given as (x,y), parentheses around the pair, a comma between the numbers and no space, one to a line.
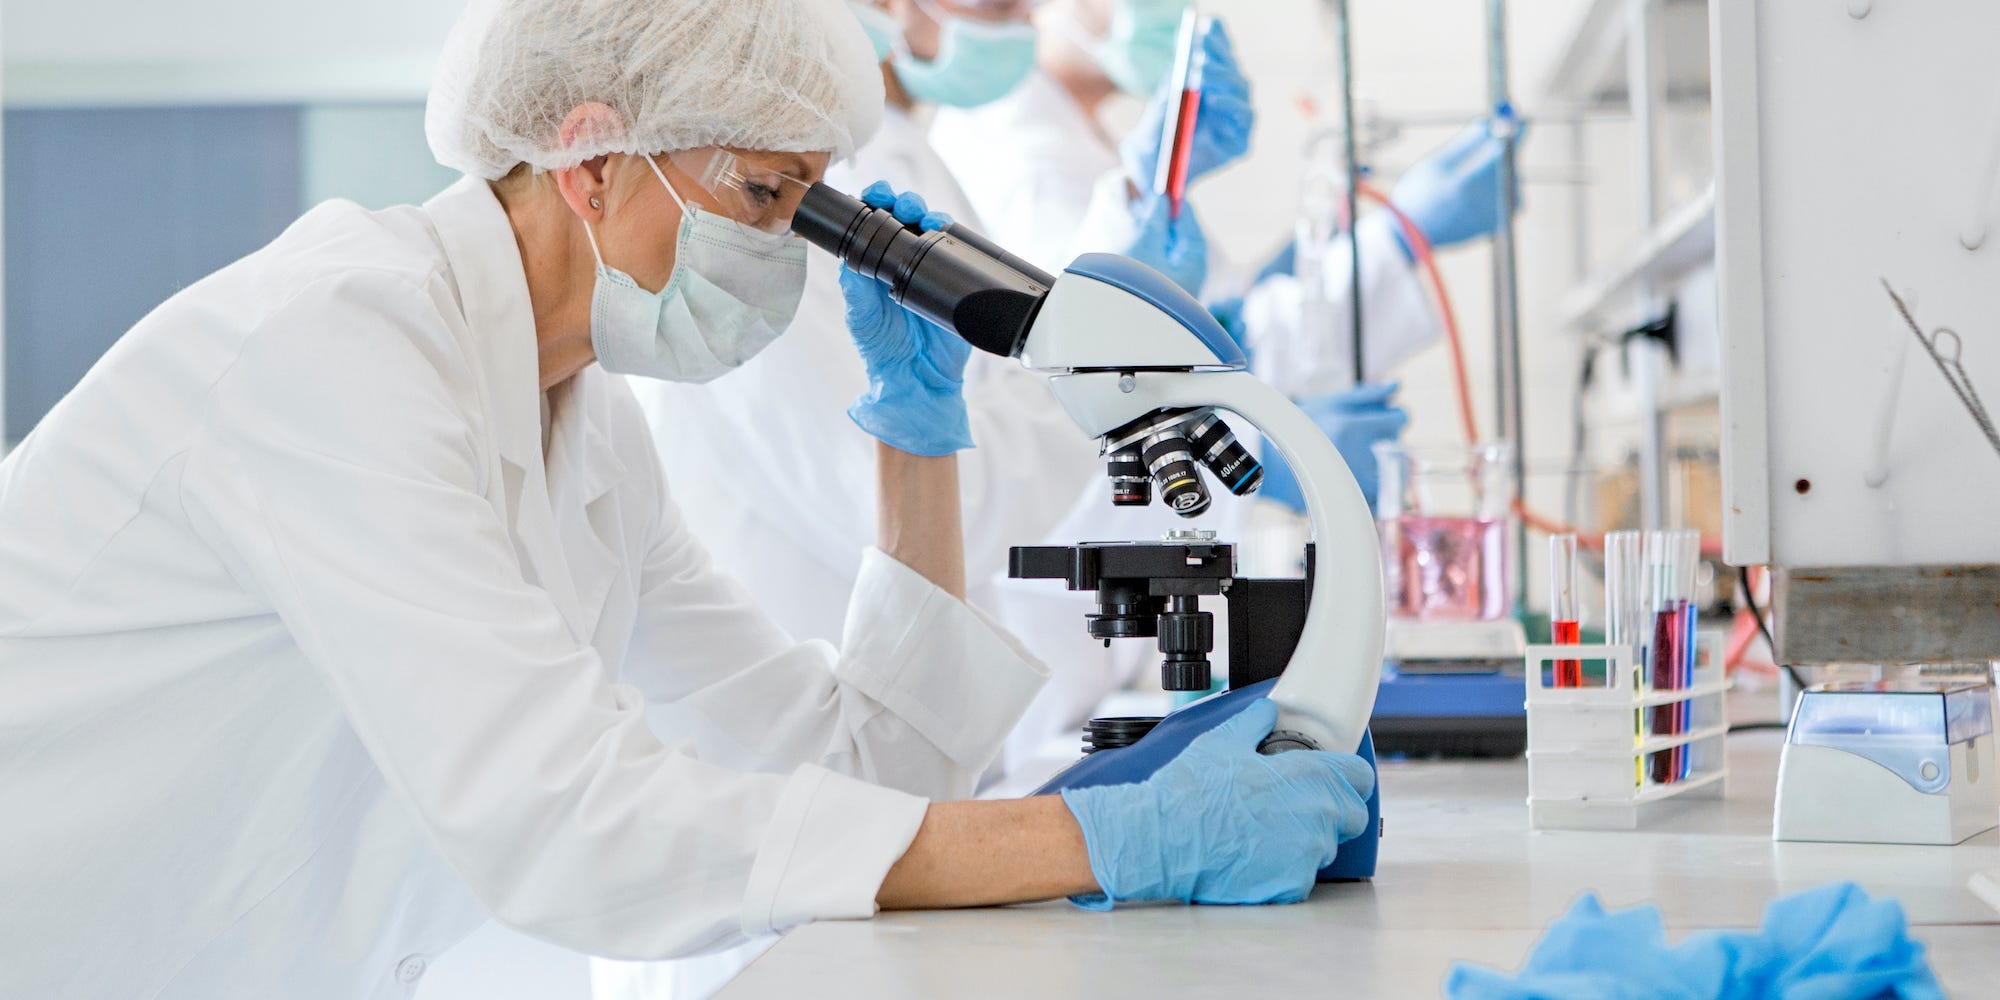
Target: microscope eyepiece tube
(953,276)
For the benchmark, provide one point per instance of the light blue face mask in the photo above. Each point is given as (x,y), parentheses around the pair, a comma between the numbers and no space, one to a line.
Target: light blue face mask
(731,292)
(977,61)
(879,25)
(1139,51)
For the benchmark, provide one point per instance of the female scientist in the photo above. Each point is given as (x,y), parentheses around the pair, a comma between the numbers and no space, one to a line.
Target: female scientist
(736,449)
(332,599)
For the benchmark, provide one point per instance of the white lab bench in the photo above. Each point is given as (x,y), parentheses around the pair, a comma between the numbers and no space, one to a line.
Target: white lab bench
(1462,878)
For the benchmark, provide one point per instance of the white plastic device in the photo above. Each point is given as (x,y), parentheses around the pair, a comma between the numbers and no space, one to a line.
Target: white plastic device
(1114,357)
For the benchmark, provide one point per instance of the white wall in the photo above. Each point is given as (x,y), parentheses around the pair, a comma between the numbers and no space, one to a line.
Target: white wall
(231,51)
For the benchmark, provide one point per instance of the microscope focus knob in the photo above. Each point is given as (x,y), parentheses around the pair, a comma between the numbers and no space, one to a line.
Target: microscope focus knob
(1186,636)
(1282,740)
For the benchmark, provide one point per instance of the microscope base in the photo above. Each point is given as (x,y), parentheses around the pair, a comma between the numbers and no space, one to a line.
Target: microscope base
(1137,762)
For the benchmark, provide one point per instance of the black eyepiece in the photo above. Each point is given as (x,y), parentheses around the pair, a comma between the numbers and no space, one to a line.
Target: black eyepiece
(953,276)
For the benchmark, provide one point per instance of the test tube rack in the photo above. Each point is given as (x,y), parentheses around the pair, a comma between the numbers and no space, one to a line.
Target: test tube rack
(1587,748)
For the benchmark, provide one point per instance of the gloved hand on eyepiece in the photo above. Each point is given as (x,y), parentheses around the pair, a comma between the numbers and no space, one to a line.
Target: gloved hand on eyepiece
(916,369)
(1173,247)
(1221,126)
(1223,823)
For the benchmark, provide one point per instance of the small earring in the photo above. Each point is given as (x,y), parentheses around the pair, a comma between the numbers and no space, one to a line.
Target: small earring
(594,204)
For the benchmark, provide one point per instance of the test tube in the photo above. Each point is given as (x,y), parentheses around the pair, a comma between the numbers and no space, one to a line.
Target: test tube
(1664,653)
(1624,588)
(1624,606)
(1687,561)
(1565,625)
(1177,135)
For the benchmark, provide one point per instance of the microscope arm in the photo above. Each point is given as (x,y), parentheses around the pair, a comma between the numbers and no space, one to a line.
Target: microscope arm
(1132,342)
(1328,689)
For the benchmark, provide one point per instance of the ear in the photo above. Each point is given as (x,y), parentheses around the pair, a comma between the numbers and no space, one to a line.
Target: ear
(582,186)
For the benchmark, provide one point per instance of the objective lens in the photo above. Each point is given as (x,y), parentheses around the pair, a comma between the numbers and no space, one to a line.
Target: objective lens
(1170,459)
(1161,439)
(1131,486)
(1218,449)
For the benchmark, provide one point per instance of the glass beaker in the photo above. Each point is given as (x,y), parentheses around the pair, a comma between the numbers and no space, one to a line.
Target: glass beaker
(1444,514)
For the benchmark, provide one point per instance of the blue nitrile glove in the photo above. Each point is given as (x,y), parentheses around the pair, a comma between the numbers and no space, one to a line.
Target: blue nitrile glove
(1222,823)
(1453,195)
(1825,943)
(1221,126)
(1838,942)
(1353,420)
(1173,247)
(916,369)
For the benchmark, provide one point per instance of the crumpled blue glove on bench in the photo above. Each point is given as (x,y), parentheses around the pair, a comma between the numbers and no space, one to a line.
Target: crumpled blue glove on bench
(1829,943)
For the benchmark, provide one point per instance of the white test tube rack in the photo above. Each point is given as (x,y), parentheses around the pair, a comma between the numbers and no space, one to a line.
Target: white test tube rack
(1588,748)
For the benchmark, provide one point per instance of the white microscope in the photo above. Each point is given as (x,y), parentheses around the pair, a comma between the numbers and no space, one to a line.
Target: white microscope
(1139,364)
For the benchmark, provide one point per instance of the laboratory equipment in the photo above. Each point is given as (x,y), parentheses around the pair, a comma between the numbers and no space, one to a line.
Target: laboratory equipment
(1624,588)
(1123,345)
(1170,174)
(1350,175)
(1164,447)
(1857,495)
(1565,618)
(1585,769)
(1443,516)
(1670,566)
(1451,680)
(1906,761)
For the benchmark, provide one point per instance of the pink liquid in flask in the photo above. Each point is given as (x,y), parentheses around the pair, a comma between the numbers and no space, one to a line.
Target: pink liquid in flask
(1446,568)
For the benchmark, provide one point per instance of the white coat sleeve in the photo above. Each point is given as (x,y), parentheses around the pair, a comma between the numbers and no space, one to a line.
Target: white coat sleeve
(1308,357)
(352,503)
(920,695)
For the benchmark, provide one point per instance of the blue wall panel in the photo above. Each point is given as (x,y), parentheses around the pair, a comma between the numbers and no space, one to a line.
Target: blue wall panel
(110,211)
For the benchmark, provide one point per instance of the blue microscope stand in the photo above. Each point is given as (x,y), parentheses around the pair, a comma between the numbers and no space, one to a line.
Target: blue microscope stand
(1123,765)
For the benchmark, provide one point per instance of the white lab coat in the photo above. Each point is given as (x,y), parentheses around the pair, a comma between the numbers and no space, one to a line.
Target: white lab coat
(780,484)
(309,658)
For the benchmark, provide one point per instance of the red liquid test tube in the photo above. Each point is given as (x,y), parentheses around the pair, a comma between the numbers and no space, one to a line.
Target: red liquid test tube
(1565,625)
(1170,177)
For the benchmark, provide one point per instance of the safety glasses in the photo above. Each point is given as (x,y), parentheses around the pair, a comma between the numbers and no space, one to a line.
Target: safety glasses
(752,196)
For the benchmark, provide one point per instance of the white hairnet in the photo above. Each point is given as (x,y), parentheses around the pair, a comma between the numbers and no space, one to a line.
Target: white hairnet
(782,75)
